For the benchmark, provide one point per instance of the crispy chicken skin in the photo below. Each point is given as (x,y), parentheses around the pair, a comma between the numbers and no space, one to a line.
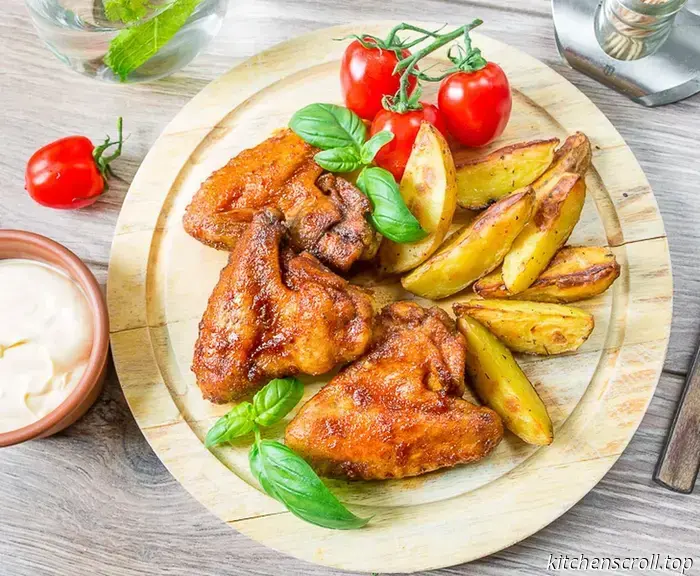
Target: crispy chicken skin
(397,411)
(275,314)
(326,215)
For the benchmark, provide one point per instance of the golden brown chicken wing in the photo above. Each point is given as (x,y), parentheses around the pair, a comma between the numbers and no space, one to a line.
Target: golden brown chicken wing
(275,314)
(326,215)
(397,411)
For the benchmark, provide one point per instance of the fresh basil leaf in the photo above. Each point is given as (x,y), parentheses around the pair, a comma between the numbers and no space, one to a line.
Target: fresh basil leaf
(390,216)
(133,46)
(238,422)
(289,479)
(372,146)
(276,400)
(329,126)
(339,159)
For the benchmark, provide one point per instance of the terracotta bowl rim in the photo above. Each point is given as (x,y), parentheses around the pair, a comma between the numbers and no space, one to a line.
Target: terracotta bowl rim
(29,245)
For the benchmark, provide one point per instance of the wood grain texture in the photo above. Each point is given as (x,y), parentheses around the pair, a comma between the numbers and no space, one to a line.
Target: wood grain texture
(596,398)
(96,500)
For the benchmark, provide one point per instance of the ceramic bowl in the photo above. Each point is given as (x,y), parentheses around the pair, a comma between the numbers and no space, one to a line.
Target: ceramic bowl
(19,244)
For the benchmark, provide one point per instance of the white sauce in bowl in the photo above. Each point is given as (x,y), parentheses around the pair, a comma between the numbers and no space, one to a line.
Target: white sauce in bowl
(46,335)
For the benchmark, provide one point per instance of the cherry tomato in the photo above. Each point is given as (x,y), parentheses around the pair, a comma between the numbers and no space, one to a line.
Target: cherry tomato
(476,105)
(69,173)
(394,155)
(367,75)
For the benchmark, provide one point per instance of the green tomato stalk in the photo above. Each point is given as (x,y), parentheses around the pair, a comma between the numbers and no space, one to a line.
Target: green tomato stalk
(392,42)
(402,101)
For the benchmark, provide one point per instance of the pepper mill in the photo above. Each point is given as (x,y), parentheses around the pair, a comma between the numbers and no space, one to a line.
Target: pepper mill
(649,50)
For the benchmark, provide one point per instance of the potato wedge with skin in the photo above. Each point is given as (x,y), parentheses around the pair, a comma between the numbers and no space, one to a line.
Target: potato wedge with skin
(481,181)
(548,230)
(574,156)
(531,327)
(575,273)
(474,250)
(429,188)
(502,386)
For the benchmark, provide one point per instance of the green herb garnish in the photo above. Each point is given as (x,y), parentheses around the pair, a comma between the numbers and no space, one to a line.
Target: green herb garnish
(289,479)
(389,212)
(238,422)
(283,475)
(134,46)
(329,126)
(276,400)
(341,135)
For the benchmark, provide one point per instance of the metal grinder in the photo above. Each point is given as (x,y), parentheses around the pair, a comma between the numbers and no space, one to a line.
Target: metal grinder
(649,50)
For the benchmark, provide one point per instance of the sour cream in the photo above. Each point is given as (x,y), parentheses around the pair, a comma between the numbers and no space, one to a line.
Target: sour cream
(46,334)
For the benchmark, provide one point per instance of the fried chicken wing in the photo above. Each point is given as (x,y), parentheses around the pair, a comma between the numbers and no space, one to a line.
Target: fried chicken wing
(325,214)
(275,314)
(397,411)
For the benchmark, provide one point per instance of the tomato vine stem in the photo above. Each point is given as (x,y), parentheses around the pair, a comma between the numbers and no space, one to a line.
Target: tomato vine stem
(402,101)
(391,42)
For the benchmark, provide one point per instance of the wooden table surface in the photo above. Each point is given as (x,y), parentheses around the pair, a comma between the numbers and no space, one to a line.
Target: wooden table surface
(95,500)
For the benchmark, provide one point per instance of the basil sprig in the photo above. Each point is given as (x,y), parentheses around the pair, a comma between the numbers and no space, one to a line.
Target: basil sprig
(238,422)
(389,212)
(341,134)
(276,400)
(289,479)
(370,148)
(344,159)
(283,475)
(329,126)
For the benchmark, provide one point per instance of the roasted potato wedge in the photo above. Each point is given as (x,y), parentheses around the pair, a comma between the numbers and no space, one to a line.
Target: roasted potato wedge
(483,180)
(429,188)
(573,156)
(575,273)
(531,327)
(502,386)
(555,217)
(474,250)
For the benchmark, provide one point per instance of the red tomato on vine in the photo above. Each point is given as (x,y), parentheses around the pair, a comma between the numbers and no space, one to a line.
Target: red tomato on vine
(476,105)
(367,76)
(475,99)
(394,155)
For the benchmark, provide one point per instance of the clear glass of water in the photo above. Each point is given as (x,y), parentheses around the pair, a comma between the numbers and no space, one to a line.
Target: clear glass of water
(126,40)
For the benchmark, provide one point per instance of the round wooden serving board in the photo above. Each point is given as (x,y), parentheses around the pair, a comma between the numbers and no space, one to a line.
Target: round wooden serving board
(160,279)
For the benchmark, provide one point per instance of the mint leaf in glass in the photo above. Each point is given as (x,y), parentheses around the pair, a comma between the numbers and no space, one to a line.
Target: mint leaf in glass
(126,11)
(135,45)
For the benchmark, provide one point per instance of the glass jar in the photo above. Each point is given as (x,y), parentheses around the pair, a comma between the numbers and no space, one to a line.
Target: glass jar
(126,40)
(633,29)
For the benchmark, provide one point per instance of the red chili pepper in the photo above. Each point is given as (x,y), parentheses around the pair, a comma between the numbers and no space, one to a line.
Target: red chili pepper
(71,173)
